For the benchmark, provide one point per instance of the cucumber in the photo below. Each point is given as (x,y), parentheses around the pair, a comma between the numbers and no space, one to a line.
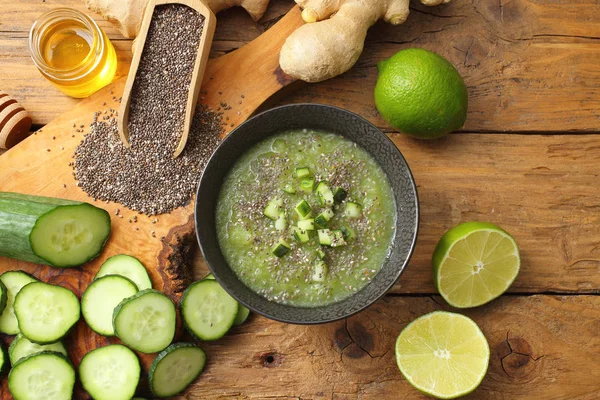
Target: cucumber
(302,172)
(272,209)
(324,194)
(349,233)
(43,230)
(175,368)
(289,189)
(209,276)
(3,297)
(339,195)
(303,209)
(307,224)
(4,359)
(281,248)
(281,222)
(22,347)
(101,298)
(110,373)
(14,281)
(241,316)
(208,311)
(300,234)
(47,375)
(319,271)
(127,266)
(307,184)
(337,238)
(324,217)
(353,210)
(146,321)
(46,312)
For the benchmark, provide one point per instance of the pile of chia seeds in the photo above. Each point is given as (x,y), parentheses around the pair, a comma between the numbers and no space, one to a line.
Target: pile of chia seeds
(145,177)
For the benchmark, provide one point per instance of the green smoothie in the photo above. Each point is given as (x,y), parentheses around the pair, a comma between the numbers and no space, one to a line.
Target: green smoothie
(306,218)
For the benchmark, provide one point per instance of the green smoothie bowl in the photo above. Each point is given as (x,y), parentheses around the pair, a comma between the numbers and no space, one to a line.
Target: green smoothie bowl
(307,213)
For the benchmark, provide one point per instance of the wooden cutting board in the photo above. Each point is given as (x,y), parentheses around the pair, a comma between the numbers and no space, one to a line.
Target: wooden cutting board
(39,165)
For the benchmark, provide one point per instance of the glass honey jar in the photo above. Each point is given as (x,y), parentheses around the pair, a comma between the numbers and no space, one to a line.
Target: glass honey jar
(72,52)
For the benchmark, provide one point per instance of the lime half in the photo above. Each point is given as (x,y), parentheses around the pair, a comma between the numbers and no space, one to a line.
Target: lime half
(443,354)
(474,263)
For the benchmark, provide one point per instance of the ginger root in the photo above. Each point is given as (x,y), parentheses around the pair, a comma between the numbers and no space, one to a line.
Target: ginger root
(333,38)
(126,15)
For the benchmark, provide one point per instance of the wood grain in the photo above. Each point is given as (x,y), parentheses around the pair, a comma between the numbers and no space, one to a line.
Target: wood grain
(530,66)
(542,347)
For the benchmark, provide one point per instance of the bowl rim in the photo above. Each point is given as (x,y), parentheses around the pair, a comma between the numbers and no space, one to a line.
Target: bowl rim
(230,137)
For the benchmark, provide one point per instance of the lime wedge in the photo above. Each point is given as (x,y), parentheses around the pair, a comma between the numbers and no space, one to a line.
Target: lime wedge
(444,355)
(474,263)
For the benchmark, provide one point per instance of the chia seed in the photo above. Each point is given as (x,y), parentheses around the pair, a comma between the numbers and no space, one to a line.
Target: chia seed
(145,177)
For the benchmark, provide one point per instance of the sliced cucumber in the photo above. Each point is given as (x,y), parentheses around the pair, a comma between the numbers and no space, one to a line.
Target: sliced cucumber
(101,298)
(127,266)
(300,234)
(110,373)
(175,368)
(324,217)
(47,375)
(46,312)
(281,222)
(208,311)
(321,254)
(3,297)
(13,281)
(303,209)
(337,238)
(241,316)
(22,347)
(289,189)
(273,207)
(302,172)
(146,321)
(307,224)
(280,248)
(324,194)
(56,232)
(307,184)
(339,195)
(353,210)
(325,237)
(319,271)
(4,359)
(349,233)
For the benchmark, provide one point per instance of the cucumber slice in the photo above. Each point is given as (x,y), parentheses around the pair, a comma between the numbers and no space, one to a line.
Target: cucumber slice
(208,311)
(353,210)
(319,271)
(280,248)
(46,312)
(339,195)
(302,172)
(303,209)
(325,237)
(101,298)
(47,375)
(3,297)
(281,222)
(241,316)
(175,368)
(307,224)
(146,321)
(22,347)
(324,217)
(321,254)
(110,373)
(324,194)
(4,359)
(307,184)
(273,207)
(13,281)
(300,234)
(61,233)
(289,189)
(127,266)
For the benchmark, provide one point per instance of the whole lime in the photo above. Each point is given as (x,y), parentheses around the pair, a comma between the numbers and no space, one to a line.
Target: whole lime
(421,94)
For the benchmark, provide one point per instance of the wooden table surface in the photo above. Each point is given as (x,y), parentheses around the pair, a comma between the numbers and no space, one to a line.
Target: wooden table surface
(528,159)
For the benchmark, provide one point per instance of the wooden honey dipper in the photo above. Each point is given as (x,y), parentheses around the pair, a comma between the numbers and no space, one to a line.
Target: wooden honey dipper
(15,122)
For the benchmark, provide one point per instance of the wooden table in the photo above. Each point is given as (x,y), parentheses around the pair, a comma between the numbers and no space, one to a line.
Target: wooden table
(528,159)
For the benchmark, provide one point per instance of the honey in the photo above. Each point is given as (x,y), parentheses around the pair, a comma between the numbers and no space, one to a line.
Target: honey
(72,52)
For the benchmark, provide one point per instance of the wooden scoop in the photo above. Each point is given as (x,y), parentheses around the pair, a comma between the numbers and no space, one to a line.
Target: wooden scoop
(197,74)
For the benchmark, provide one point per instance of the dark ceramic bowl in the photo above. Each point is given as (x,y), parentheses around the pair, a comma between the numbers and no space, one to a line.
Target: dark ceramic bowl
(311,116)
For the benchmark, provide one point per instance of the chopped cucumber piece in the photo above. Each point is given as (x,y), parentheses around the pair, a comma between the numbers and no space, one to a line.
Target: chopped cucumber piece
(101,298)
(175,368)
(46,312)
(47,375)
(302,172)
(146,321)
(339,195)
(324,217)
(324,194)
(208,311)
(127,266)
(325,237)
(241,316)
(300,234)
(349,233)
(303,209)
(307,184)
(273,207)
(321,254)
(110,373)
(281,222)
(353,210)
(22,347)
(3,297)
(289,189)
(307,224)
(14,281)
(280,248)
(319,271)
(337,238)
